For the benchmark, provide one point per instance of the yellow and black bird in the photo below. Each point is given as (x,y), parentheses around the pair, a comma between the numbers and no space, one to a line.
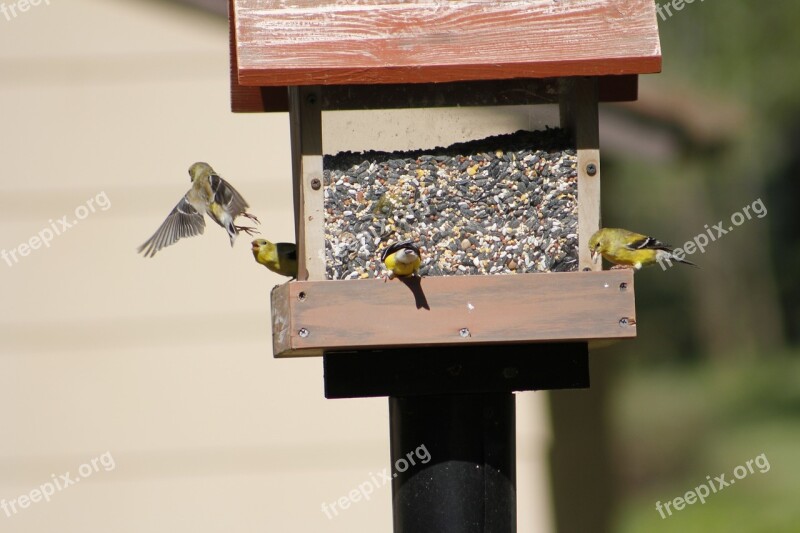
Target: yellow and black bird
(209,194)
(402,259)
(627,249)
(279,257)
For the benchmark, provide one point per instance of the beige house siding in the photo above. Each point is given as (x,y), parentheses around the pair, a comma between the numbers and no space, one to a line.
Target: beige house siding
(165,363)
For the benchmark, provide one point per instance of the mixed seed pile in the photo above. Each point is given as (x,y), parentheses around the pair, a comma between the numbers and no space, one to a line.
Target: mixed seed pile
(499,205)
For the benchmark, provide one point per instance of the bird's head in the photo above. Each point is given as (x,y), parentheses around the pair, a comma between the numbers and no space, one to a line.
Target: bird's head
(597,244)
(407,255)
(199,169)
(258,243)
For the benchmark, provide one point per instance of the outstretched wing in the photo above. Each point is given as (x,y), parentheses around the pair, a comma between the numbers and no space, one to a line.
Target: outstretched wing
(226,196)
(183,221)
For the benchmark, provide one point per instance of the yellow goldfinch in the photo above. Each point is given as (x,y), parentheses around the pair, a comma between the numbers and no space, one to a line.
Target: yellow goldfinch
(209,194)
(280,257)
(402,259)
(627,249)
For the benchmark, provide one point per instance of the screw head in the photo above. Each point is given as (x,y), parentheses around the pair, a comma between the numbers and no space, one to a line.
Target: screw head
(316,184)
(591,169)
(510,372)
(454,370)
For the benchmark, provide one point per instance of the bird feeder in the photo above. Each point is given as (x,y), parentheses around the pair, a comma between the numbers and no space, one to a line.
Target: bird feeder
(455,361)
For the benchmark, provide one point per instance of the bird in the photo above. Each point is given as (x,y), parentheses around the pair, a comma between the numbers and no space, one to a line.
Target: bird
(279,257)
(402,259)
(627,249)
(209,194)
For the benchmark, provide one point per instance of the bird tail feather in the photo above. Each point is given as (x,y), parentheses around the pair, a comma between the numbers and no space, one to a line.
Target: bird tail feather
(232,231)
(684,261)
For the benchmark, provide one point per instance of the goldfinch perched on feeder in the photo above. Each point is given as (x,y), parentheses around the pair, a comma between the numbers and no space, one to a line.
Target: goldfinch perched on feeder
(402,259)
(627,249)
(209,194)
(279,257)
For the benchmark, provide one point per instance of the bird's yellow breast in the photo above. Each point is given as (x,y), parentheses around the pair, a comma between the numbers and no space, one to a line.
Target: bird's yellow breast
(401,269)
(624,256)
(270,256)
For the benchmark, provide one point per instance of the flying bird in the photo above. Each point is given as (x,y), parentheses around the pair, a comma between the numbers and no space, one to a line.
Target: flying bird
(627,249)
(279,257)
(209,194)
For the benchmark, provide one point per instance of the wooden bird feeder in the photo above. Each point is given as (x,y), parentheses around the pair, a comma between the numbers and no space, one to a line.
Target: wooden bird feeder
(484,336)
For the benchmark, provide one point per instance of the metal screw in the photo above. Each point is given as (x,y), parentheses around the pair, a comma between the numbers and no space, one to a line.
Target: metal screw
(316,184)
(510,372)
(301,296)
(464,332)
(303,332)
(591,169)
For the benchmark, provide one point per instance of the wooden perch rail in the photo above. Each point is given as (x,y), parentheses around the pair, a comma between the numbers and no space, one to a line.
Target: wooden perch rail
(309,317)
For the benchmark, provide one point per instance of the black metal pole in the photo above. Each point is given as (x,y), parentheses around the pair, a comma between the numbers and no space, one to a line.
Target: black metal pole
(468,482)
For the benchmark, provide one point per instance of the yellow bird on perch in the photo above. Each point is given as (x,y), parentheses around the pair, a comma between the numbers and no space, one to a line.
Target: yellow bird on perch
(627,249)
(402,259)
(280,257)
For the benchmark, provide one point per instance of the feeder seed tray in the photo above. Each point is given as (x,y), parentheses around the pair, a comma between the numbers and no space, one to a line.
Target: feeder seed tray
(501,205)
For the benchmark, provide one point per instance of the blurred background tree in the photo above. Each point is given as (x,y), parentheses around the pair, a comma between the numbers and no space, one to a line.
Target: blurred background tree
(729,95)
(713,378)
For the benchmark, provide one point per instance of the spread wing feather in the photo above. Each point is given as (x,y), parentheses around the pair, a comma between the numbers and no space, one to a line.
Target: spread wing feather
(183,221)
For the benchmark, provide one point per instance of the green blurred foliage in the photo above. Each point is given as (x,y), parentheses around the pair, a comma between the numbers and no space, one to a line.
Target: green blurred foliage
(713,378)
(675,426)
(741,56)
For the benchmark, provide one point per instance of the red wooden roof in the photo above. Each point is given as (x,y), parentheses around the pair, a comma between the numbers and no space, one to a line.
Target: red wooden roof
(279,43)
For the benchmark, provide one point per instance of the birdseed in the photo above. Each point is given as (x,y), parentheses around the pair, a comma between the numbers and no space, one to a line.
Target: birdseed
(501,205)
